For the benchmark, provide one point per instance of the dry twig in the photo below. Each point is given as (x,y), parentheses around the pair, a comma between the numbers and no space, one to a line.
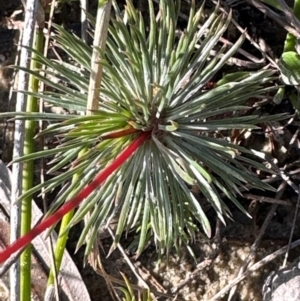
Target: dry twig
(257,241)
(254,268)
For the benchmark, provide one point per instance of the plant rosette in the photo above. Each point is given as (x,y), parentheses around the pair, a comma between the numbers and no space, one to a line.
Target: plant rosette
(154,87)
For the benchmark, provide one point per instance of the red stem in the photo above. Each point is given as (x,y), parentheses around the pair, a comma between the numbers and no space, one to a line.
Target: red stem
(70,205)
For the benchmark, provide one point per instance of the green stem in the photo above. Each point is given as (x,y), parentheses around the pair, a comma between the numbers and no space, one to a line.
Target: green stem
(62,237)
(28,171)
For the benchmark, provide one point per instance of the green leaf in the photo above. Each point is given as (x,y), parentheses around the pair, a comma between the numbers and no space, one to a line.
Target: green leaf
(289,66)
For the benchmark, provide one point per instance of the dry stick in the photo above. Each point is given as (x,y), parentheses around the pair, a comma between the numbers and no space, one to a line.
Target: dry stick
(289,15)
(292,231)
(237,62)
(257,46)
(102,22)
(254,268)
(257,241)
(240,50)
(99,42)
(83,18)
(292,141)
(138,288)
(17,169)
(274,16)
(285,177)
(6,266)
(12,89)
(293,172)
(101,271)
(280,174)
(268,218)
(294,138)
(146,274)
(266,199)
(268,180)
(243,52)
(273,179)
(130,264)
(132,267)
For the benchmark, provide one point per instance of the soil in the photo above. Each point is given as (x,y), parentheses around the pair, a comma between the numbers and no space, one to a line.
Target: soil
(217,260)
